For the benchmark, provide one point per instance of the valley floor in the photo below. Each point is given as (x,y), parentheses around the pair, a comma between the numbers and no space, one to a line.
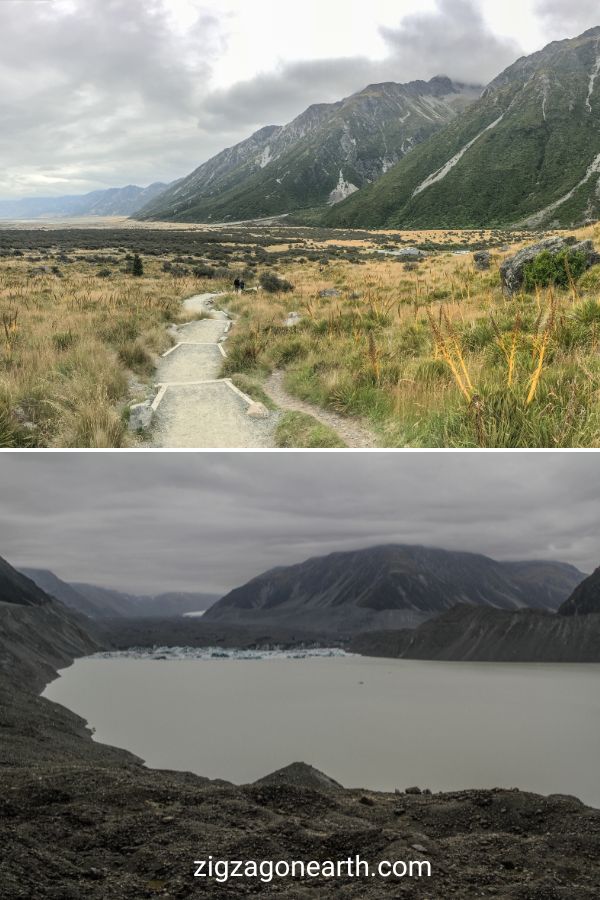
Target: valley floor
(383,349)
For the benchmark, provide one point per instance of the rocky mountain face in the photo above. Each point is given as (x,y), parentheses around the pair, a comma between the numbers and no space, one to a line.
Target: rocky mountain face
(482,634)
(585,599)
(101,603)
(527,152)
(38,634)
(322,156)
(391,586)
(17,589)
(112,202)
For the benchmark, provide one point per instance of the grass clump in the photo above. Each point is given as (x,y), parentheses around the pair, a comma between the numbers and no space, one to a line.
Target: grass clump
(298,429)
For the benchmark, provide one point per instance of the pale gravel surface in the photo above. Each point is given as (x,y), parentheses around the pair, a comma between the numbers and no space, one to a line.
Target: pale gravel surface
(352,432)
(213,415)
(203,415)
(190,362)
(209,415)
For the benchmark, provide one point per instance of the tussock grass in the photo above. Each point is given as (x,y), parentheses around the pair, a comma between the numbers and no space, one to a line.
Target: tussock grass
(68,347)
(434,356)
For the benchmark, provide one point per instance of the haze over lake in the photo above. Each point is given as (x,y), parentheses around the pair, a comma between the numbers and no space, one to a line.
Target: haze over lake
(372,723)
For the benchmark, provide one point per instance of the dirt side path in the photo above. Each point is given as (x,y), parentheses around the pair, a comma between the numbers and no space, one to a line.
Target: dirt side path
(354,433)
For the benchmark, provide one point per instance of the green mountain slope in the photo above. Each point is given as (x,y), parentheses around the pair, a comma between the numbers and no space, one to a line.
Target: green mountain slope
(325,154)
(527,152)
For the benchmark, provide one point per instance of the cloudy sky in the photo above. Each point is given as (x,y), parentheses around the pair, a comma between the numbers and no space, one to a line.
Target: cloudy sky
(101,93)
(209,521)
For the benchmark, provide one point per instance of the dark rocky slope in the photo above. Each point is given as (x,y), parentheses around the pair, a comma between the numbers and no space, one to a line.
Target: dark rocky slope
(585,599)
(79,819)
(389,587)
(490,635)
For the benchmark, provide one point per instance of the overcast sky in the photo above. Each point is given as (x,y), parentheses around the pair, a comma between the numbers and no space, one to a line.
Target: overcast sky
(101,93)
(152,522)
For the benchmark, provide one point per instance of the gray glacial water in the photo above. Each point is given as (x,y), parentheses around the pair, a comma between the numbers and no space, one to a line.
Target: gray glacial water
(370,723)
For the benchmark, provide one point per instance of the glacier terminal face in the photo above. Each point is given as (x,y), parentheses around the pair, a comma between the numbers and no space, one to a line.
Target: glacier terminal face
(175,653)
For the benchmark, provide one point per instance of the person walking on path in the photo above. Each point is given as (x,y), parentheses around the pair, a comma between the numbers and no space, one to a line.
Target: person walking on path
(236,285)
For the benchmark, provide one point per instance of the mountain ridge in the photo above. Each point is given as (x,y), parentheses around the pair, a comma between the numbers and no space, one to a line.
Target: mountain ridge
(527,153)
(99,602)
(107,202)
(328,151)
(392,585)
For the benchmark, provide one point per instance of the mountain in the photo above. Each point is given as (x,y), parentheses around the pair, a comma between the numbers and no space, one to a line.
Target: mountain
(112,202)
(390,586)
(109,602)
(527,152)
(19,590)
(37,633)
(585,599)
(101,603)
(484,634)
(322,156)
(61,590)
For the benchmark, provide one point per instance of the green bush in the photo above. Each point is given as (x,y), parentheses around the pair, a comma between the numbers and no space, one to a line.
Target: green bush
(554,269)
(273,284)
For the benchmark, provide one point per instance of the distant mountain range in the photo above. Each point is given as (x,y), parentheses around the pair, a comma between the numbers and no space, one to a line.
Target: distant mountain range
(111,202)
(391,586)
(322,156)
(101,603)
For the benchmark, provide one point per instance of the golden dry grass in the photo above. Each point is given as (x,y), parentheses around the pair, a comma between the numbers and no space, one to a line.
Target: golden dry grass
(70,348)
(434,355)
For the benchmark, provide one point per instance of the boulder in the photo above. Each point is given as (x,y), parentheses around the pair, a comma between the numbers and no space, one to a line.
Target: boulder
(482,260)
(257,411)
(293,319)
(512,270)
(330,292)
(140,416)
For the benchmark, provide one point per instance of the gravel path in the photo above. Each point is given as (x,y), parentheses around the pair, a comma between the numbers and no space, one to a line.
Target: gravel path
(197,408)
(352,432)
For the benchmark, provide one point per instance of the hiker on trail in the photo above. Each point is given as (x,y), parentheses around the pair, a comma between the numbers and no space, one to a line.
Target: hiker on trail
(242,286)
(236,285)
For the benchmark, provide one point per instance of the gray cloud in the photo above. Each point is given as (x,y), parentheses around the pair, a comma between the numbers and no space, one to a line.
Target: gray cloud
(100,93)
(452,40)
(455,40)
(564,20)
(104,92)
(210,521)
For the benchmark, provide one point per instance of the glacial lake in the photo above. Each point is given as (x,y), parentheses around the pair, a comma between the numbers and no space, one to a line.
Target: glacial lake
(371,723)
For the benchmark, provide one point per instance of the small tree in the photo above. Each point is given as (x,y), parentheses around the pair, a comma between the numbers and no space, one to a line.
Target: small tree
(137,267)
